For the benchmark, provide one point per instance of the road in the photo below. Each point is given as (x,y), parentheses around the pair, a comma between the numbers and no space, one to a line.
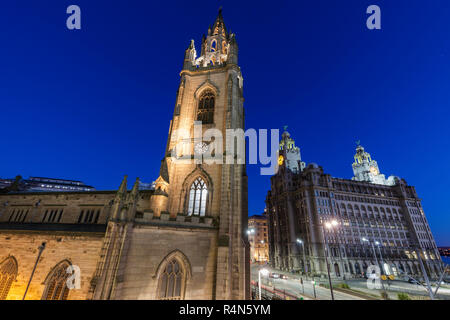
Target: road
(394,287)
(293,286)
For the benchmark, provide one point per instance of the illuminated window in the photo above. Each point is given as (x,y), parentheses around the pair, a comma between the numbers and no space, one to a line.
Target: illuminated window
(172,281)
(197,198)
(56,288)
(8,273)
(205,112)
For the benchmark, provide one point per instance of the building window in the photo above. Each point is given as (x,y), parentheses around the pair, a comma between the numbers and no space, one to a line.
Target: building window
(56,288)
(205,112)
(52,215)
(8,273)
(89,216)
(18,215)
(197,198)
(172,281)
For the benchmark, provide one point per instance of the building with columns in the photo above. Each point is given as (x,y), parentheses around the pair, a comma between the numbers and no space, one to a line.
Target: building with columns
(372,220)
(183,238)
(258,238)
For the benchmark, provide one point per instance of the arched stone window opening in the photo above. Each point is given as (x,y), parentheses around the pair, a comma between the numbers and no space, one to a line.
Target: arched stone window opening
(56,288)
(172,281)
(198,193)
(224,47)
(8,273)
(205,112)
(214,46)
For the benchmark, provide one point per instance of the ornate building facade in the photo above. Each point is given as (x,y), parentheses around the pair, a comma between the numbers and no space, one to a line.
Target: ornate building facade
(183,240)
(371,220)
(258,238)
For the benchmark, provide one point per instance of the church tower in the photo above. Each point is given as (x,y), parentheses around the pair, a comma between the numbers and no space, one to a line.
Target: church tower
(193,182)
(289,154)
(366,169)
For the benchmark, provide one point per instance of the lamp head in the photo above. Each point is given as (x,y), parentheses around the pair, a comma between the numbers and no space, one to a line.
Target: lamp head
(264,272)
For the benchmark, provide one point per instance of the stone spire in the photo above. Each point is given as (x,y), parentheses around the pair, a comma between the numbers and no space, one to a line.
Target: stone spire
(119,199)
(189,56)
(216,44)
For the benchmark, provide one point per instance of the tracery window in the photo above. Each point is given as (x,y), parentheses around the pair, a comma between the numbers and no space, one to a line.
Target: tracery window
(56,288)
(198,194)
(8,273)
(205,112)
(172,281)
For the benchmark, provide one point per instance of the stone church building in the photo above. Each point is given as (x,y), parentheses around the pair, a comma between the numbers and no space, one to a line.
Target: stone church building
(183,240)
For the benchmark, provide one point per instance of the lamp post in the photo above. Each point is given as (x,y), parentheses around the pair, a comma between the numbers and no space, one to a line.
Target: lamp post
(424,272)
(373,249)
(250,232)
(378,244)
(305,268)
(328,225)
(314,288)
(41,249)
(376,259)
(264,272)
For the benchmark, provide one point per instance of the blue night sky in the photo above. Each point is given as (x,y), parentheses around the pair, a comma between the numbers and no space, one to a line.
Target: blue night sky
(95,104)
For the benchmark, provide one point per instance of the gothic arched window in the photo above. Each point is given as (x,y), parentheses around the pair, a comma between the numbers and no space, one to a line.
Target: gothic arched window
(8,273)
(197,198)
(56,288)
(172,281)
(224,47)
(205,112)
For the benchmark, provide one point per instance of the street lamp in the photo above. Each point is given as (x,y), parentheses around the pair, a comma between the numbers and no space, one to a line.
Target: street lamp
(250,232)
(378,244)
(328,225)
(265,273)
(41,249)
(376,258)
(305,268)
(373,249)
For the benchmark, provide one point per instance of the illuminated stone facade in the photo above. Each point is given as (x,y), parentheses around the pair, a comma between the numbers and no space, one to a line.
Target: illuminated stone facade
(301,202)
(258,238)
(183,240)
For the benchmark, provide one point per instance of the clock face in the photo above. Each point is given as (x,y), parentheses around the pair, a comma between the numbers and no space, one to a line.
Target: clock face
(201,148)
(280,160)
(374,171)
